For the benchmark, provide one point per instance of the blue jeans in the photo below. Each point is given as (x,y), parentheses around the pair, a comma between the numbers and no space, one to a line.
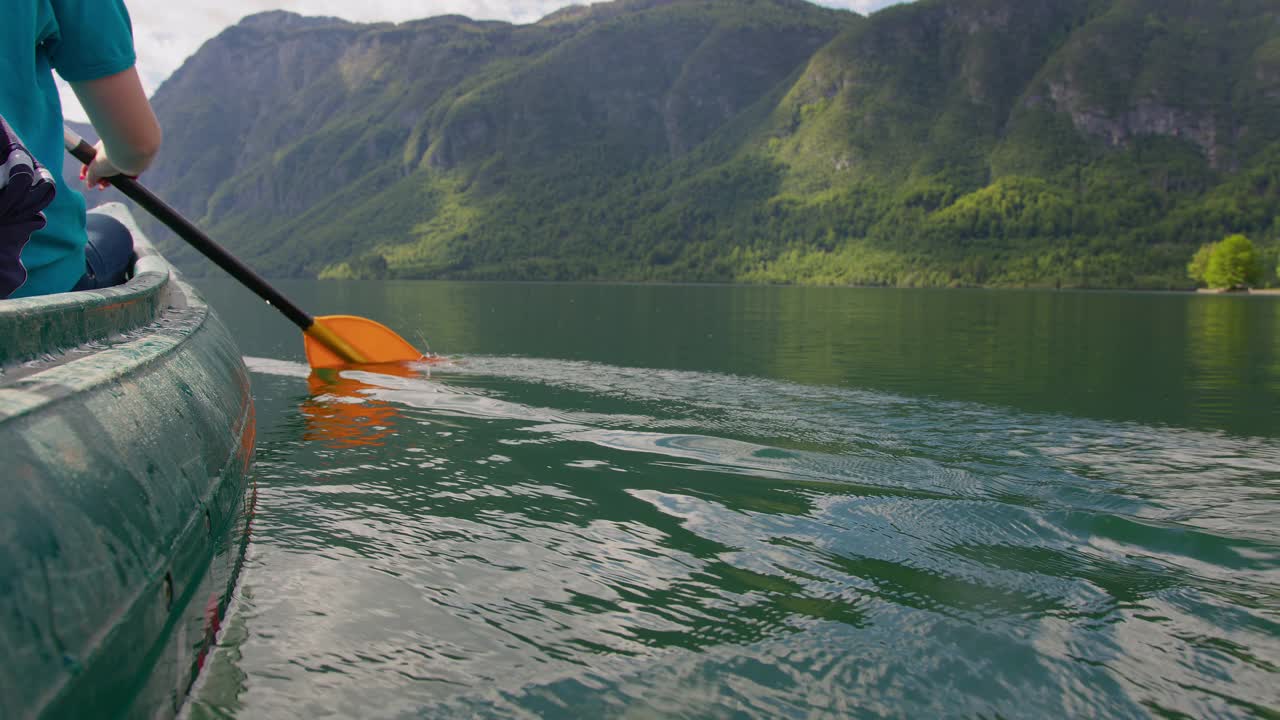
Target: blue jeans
(108,257)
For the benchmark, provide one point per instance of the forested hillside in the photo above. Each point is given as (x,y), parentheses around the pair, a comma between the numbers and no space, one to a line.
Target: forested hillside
(943,142)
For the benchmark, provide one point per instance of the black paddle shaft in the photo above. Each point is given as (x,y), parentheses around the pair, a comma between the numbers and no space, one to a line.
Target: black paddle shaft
(84,152)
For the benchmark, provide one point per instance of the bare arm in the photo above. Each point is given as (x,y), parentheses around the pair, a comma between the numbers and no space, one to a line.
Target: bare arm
(118,108)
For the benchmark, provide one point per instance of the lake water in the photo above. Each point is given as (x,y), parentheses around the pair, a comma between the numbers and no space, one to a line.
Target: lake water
(658,501)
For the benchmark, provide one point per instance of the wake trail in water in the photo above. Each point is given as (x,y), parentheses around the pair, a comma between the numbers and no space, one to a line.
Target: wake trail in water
(784,431)
(804,532)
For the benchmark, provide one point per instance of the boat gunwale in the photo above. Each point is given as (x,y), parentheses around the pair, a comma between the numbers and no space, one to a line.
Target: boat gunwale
(43,326)
(173,313)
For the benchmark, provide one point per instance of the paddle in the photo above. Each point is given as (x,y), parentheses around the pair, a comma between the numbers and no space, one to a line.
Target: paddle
(330,341)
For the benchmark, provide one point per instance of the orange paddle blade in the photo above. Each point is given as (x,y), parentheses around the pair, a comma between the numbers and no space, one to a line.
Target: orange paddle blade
(336,341)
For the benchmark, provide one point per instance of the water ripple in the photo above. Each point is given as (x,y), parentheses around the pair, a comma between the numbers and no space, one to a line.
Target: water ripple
(517,537)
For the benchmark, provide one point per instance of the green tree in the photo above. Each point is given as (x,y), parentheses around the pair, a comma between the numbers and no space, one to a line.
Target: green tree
(1233,262)
(1198,268)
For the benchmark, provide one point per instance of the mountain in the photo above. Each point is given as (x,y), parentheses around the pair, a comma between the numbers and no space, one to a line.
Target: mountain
(944,142)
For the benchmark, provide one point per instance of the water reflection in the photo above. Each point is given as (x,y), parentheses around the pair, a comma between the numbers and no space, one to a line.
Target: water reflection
(1168,359)
(567,539)
(340,415)
(1220,341)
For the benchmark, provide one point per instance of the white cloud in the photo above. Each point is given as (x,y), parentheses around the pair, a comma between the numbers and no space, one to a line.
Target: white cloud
(166,33)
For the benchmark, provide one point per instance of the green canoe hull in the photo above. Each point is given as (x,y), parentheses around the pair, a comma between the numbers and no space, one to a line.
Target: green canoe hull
(127,426)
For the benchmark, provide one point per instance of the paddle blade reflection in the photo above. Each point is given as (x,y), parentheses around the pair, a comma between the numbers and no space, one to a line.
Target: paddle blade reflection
(341,414)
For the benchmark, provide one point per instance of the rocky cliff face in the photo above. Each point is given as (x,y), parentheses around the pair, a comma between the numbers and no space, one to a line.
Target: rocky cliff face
(1190,70)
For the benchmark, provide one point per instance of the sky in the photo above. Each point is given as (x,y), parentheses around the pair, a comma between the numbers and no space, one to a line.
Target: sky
(166,32)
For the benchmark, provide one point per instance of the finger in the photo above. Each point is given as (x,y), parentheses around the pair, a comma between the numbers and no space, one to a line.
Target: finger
(98,173)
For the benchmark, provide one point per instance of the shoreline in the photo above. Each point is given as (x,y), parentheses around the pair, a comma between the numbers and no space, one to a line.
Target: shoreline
(1248,291)
(707,283)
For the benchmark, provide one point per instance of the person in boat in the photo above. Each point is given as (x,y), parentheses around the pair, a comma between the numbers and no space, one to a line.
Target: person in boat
(89,43)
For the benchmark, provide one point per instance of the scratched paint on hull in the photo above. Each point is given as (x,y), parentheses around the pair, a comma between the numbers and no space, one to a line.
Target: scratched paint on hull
(128,425)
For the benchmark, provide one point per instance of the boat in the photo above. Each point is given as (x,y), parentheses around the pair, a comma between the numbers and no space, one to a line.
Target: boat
(127,429)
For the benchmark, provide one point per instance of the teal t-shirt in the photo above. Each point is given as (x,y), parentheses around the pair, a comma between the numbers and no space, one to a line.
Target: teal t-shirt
(81,40)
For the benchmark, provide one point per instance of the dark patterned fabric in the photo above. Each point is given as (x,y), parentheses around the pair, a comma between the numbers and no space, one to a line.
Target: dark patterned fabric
(108,257)
(26,189)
